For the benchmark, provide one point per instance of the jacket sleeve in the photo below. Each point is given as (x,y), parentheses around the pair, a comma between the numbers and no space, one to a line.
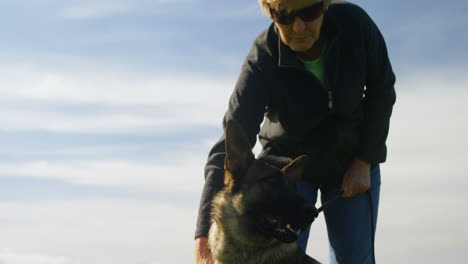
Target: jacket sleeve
(247,107)
(379,97)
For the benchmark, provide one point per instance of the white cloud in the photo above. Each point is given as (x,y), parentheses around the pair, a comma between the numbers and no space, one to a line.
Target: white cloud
(237,12)
(8,256)
(88,9)
(93,9)
(180,176)
(97,232)
(109,86)
(429,124)
(107,121)
(127,101)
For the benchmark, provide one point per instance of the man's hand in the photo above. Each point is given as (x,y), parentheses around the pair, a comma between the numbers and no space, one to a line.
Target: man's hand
(202,251)
(356,179)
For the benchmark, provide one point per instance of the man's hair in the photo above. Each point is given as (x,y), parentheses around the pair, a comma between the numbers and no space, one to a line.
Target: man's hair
(278,5)
(287,5)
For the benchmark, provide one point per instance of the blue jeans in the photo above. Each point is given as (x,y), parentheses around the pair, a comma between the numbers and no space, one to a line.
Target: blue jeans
(350,222)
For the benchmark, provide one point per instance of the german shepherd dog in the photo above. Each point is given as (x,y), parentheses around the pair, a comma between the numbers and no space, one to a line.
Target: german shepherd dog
(257,216)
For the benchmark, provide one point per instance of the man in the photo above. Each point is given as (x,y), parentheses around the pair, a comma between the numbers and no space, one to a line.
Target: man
(321,77)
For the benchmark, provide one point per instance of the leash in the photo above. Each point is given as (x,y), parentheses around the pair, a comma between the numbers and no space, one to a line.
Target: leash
(329,202)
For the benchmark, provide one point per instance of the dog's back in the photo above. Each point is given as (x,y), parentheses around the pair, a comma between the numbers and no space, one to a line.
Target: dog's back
(257,217)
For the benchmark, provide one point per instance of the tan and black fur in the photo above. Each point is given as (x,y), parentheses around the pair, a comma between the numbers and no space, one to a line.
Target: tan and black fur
(257,215)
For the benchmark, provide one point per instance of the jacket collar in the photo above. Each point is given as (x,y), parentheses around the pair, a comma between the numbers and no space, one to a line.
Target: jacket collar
(287,58)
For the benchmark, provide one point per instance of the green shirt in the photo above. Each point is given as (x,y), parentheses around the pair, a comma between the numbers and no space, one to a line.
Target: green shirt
(316,67)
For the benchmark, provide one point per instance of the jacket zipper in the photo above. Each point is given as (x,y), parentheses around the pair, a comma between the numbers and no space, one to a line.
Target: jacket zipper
(327,73)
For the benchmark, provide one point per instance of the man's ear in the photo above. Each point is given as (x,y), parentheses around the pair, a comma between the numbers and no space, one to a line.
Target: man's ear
(297,168)
(238,151)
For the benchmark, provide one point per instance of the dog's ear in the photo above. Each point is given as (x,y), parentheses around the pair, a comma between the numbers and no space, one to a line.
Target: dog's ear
(297,168)
(238,151)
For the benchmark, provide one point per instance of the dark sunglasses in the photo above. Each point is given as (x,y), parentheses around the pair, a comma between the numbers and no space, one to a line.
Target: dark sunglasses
(307,14)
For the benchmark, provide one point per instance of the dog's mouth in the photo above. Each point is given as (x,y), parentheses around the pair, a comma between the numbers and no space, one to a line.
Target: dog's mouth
(278,228)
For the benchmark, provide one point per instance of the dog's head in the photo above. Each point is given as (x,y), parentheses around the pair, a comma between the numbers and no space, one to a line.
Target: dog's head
(263,197)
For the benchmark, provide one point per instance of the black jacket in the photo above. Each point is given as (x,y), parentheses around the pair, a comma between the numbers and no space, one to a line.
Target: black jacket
(346,117)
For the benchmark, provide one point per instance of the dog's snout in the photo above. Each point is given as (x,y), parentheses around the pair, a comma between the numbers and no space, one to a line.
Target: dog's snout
(310,212)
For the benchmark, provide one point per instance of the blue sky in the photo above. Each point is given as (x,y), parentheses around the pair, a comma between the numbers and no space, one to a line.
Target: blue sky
(108,110)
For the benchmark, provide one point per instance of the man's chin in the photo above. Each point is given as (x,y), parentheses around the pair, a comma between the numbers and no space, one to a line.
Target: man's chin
(301,47)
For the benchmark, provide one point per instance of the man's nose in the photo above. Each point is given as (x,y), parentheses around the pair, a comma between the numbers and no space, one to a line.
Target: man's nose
(298,24)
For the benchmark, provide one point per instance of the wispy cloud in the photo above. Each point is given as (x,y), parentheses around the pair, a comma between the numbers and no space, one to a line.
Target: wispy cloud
(110,86)
(96,232)
(93,9)
(123,101)
(250,10)
(88,9)
(8,256)
(182,176)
